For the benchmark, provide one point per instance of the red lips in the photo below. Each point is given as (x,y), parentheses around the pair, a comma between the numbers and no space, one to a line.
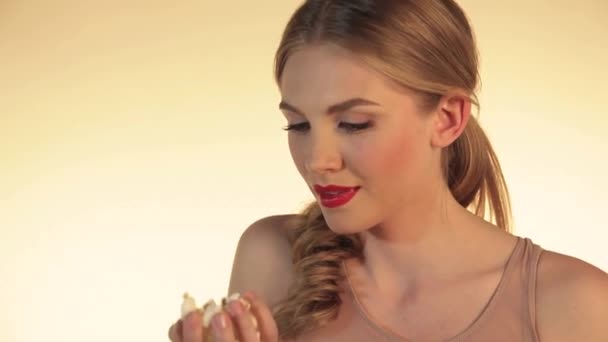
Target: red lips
(333,196)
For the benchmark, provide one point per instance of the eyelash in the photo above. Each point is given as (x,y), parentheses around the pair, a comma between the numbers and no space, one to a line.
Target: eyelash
(348,127)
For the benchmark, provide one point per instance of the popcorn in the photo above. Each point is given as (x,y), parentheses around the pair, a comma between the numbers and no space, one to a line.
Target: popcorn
(211,308)
(188,304)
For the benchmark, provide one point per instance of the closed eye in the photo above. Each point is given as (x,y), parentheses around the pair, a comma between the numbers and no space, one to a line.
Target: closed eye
(349,127)
(355,127)
(299,127)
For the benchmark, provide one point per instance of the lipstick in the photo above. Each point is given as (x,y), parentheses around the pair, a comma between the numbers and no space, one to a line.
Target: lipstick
(333,196)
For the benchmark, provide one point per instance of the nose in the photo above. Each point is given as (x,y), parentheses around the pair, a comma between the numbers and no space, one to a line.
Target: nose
(324,156)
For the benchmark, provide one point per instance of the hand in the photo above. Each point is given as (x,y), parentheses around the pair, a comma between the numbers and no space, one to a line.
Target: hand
(235,323)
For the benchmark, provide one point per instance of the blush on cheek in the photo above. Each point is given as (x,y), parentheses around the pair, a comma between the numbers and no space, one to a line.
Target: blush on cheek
(394,167)
(390,158)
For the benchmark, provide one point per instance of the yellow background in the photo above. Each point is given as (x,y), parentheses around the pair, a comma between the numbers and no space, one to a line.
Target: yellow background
(139,138)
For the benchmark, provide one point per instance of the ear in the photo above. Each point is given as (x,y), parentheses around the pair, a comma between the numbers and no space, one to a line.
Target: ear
(451,117)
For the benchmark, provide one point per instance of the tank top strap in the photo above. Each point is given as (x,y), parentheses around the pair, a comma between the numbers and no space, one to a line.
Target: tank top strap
(530,267)
(509,315)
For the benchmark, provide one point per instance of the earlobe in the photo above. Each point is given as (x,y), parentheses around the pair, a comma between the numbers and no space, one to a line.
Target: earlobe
(451,118)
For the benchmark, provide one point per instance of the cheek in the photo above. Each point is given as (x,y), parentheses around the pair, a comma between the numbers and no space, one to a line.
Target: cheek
(385,157)
(295,149)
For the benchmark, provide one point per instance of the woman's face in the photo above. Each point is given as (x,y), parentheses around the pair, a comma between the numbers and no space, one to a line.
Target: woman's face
(350,126)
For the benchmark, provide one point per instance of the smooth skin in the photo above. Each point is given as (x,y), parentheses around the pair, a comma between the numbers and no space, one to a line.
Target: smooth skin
(419,240)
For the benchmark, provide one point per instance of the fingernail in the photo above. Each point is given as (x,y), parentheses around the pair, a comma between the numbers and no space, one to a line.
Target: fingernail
(254,321)
(246,304)
(219,322)
(192,319)
(222,321)
(235,309)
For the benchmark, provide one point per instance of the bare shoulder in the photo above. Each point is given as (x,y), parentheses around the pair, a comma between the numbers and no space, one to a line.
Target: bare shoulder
(262,261)
(572,299)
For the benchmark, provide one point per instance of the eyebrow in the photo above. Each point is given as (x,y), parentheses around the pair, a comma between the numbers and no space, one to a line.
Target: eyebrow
(336,108)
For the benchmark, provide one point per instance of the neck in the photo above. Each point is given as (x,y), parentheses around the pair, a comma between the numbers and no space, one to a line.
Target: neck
(412,248)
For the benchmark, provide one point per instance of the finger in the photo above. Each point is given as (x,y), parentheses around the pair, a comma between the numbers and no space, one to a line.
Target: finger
(266,323)
(244,322)
(175,332)
(223,330)
(192,327)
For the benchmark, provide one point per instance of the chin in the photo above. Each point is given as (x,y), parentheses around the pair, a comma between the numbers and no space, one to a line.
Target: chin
(345,223)
(344,230)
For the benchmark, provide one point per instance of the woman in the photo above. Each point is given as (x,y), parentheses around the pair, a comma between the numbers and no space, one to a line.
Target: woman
(378,96)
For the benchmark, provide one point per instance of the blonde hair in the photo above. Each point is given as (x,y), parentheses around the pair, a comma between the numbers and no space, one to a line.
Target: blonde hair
(427,46)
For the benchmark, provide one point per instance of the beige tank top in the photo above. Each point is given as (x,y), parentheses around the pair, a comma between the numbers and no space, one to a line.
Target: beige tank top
(509,316)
